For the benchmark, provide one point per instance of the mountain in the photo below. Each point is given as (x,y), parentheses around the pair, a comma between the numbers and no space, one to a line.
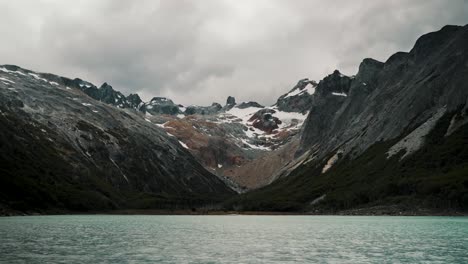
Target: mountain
(230,140)
(65,146)
(391,139)
(394,136)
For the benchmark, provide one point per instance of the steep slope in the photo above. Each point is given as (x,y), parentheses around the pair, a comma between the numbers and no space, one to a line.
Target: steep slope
(62,149)
(393,134)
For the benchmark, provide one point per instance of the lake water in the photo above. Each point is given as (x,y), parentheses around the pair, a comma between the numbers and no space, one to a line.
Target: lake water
(232,239)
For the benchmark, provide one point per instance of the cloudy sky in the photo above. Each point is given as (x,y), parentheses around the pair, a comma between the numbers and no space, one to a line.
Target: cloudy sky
(197,52)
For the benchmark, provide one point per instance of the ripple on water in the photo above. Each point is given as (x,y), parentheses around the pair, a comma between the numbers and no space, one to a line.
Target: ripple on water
(232,239)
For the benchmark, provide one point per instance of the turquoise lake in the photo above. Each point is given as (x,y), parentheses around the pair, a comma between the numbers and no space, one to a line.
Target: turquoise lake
(232,239)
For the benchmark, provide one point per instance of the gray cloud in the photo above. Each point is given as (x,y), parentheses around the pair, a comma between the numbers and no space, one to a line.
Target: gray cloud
(196,52)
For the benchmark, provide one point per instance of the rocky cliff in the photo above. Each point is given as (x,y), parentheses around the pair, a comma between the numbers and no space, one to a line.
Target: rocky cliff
(396,133)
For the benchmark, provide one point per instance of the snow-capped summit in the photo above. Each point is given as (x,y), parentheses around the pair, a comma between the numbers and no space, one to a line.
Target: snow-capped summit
(298,99)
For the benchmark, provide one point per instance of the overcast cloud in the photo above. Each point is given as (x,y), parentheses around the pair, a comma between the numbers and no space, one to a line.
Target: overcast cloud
(197,52)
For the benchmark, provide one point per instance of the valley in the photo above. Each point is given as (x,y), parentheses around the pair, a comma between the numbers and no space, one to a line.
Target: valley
(395,135)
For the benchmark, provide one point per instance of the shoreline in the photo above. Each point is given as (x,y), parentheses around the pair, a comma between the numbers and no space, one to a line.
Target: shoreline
(188,212)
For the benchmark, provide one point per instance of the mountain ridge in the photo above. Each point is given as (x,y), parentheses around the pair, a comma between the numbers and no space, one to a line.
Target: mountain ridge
(388,141)
(393,134)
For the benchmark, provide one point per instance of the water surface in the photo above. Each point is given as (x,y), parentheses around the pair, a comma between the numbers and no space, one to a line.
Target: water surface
(232,239)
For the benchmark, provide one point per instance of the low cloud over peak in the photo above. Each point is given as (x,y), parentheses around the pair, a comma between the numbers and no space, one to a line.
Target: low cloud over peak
(197,52)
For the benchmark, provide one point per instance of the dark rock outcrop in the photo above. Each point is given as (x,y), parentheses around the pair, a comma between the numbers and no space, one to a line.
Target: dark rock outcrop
(298,99)
(134,101)
(265,121)
(230,103)
(244,105)
(203,110)
(334,83)
(231,100)
(161,105)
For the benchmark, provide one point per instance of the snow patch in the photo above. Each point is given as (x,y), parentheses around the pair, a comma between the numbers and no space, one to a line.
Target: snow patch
(6,80)
(85,85)
(310,89)
(243,114)
(8,71)
(294,92)
(161,125)
(287,119)
(37,77)
(339,94)
(183,144)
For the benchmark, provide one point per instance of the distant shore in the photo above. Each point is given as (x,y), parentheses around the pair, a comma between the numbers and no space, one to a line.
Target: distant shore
(369,211)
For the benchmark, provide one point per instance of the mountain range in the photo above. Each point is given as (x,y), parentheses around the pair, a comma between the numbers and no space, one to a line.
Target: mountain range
(393,137)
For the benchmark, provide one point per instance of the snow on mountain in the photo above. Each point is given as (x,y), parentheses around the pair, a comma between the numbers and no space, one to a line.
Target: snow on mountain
(309,88)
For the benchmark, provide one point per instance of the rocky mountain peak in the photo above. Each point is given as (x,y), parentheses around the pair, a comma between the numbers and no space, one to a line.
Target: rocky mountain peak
(368,70)
(161,105)
(334,83)
(134,101)
(427,43)
(105,85)
(298,99)
(161,100)
(203,110)
(230,103)
(231,100)
(244,105)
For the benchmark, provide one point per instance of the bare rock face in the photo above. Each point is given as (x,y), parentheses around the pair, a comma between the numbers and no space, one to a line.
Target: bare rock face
(203,110)
(231,100)
(244,105)
(299,98)
(161,105)
(395,133)
(386,99)
(265,121)
(230,103)
(134,101)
